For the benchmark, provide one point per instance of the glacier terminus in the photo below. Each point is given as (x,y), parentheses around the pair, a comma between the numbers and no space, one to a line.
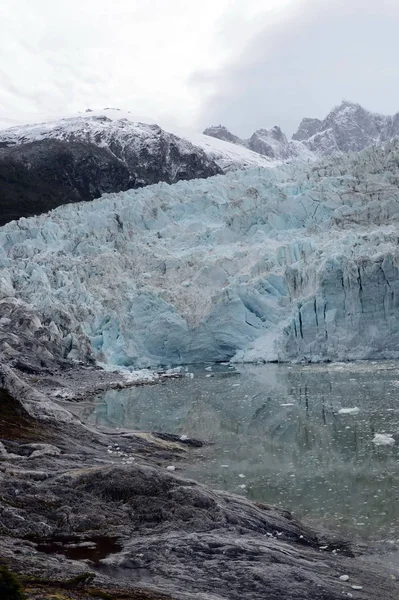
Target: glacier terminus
(296,263)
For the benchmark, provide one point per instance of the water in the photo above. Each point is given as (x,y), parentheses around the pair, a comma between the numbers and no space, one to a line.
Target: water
(276,430)
(73,547)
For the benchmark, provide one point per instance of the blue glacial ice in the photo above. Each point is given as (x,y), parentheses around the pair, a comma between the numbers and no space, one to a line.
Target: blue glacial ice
(293,263)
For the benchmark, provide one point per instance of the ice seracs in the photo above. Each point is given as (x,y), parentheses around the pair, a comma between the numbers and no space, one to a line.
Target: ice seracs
(299,263)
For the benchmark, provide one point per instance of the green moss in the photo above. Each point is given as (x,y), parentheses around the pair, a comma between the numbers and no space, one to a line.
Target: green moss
(10,586)
(81,580)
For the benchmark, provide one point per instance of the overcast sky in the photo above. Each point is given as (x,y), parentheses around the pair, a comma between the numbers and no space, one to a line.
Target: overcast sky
(192,63)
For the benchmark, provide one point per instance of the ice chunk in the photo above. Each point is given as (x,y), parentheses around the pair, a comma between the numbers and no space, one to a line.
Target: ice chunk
(383,439)
(349,411)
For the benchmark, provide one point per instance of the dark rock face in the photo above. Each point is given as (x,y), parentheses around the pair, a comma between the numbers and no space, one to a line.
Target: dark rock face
(41,169)
(39,176)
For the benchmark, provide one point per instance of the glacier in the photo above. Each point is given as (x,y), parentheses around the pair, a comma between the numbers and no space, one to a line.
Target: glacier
(297,263)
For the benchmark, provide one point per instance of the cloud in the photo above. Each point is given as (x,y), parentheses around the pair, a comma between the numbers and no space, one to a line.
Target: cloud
(245,64)
(304,60)
(59,57)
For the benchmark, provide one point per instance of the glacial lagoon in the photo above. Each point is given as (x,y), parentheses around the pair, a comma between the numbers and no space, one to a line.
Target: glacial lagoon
(276,435)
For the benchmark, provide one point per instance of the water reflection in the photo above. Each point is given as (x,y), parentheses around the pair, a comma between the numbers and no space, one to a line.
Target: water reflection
(276,430)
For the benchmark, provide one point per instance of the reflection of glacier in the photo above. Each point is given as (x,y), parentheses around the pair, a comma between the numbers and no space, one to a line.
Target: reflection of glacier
(280,427)
(296,263)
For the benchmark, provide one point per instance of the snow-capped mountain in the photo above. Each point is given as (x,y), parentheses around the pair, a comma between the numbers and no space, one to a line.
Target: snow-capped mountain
(79,158)
(148,152)
(347,128)
(272,143)
(300,262)
(83,156)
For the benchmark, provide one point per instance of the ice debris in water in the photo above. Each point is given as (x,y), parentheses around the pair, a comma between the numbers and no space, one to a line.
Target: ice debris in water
(349,411)
(184,437)
(344,577)
(171,468)
(242,486)
(383,439)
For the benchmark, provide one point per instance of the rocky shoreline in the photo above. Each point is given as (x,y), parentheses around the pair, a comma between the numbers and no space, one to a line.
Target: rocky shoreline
(88,513)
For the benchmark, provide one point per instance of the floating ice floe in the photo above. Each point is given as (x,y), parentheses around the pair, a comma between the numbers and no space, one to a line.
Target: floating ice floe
(171,468)
(349,411)
(383,439)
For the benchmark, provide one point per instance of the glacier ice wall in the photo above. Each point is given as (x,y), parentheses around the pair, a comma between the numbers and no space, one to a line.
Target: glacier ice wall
(296,263)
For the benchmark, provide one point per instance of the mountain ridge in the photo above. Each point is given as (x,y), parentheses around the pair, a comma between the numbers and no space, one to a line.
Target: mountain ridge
(348,127)
(81,157)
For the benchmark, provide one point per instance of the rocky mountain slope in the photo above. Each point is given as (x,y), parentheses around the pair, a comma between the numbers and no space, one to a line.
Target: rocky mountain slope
(347,128)
(38,176)
(272,143)
(294,263)
(70,160)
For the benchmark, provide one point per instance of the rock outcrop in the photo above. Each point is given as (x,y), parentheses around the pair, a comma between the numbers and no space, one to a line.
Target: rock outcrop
(69,507)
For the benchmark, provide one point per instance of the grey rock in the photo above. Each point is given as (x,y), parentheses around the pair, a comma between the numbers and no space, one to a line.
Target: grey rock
(307,128)
(222,133)
(160,532)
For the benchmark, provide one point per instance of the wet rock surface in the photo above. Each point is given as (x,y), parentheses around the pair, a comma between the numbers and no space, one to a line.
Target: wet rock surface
(64,483)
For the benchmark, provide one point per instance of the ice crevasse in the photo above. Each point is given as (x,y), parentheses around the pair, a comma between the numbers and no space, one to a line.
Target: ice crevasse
(293,263)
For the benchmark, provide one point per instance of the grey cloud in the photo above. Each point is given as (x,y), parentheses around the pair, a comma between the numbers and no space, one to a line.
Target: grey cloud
(302,65)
